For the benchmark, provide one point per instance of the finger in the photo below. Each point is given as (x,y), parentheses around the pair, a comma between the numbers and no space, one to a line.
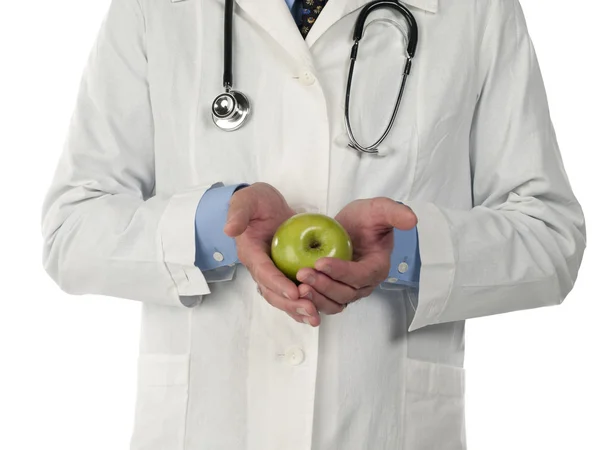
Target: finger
(363,293)
(296,308)
(302,319)
(297,318)
(323,304)
(265,273)
(367,272)
(332,289)
(241,208)
(399,216)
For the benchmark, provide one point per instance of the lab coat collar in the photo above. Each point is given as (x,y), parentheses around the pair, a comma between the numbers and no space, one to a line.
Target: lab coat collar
(426,5)
(337,9)
(275,18)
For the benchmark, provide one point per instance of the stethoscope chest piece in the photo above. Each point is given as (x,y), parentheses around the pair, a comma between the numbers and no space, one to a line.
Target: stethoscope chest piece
(230,110)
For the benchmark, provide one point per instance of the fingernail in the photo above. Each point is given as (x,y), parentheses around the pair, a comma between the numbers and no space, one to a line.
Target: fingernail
(307,295)
(326,268)
(286,296)
(305,277)
(302,312)
(306,321)
(309,279)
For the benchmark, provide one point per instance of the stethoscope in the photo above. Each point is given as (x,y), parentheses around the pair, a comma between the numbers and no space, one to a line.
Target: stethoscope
(231,109)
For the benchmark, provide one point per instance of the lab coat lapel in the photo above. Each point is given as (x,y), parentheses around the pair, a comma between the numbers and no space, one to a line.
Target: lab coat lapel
(336,9)
(275,18)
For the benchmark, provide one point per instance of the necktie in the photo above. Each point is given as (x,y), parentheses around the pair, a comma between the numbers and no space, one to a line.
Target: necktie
(310,10)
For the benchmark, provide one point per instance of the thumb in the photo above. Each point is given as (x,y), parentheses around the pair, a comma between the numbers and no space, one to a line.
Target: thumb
(400,216)
(241,211)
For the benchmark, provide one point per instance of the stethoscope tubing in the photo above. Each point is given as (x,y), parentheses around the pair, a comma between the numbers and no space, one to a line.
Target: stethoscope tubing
(372,149)
(411,48)
(228,46)
(413,36)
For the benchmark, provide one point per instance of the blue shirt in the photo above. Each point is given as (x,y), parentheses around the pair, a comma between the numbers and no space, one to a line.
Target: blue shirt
(216,252)
(295,9)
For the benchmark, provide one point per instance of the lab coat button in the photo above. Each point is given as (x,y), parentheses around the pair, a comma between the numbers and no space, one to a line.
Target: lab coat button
(294,356)
(403,267)
(307,78)
(217,256)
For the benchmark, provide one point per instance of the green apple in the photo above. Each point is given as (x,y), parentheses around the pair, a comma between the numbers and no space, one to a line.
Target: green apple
(304,238)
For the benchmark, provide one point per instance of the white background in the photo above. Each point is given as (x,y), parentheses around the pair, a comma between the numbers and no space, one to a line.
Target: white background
(67,364)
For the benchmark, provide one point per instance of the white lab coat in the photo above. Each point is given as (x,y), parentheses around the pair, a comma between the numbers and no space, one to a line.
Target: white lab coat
(473,153)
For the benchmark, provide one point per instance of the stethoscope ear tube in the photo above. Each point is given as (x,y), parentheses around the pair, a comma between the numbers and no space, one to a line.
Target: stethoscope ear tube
(413,36)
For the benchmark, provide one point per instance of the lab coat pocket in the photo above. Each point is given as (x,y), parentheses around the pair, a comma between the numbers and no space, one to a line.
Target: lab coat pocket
(161,405)
(434,412)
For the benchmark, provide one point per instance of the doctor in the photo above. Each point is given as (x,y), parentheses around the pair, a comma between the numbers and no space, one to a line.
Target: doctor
(152,202)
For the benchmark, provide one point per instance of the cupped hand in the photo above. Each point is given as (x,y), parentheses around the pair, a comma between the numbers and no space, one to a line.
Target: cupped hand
(370,224)
(255,213)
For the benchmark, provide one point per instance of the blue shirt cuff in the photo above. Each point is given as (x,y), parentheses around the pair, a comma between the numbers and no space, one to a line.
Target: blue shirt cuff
(214,248)
(406,259)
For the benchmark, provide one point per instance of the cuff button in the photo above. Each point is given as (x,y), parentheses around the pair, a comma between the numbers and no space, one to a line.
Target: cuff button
(218,256)
(402,267)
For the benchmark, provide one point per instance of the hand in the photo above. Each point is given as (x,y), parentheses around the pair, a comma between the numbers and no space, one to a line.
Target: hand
(255,213)
(370,224)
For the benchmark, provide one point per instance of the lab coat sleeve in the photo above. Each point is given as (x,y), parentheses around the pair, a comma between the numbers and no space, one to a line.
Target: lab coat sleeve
(105,231)
(521,245)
